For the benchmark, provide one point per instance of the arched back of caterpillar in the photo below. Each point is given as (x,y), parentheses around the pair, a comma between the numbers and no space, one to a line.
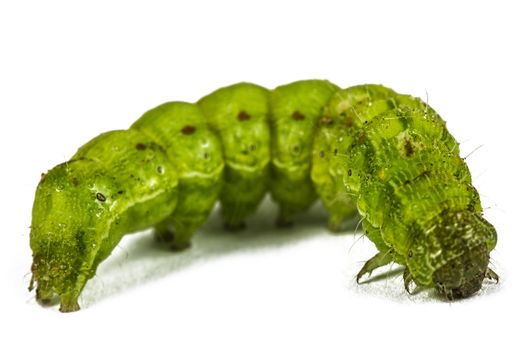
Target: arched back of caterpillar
(364,149)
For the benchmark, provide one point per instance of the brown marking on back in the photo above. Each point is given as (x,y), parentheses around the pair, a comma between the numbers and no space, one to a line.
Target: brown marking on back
(297,116)
(361,139)
(349,122)
(409,148)
(140,146)
(188,130)
(243,116)
(75,181)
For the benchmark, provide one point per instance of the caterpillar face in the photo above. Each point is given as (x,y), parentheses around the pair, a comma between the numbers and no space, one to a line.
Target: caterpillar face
(364,149)
(455,250)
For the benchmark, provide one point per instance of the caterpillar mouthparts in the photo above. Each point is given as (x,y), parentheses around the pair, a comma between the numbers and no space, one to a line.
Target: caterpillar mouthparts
(463,272)
(364,149)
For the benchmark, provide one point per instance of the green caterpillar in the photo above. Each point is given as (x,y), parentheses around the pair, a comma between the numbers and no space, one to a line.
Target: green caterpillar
(365,148)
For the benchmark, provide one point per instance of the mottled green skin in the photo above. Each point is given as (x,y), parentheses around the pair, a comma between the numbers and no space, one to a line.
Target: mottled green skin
(239,115)
(83,208)
(196,152)
(365,147)
(295,112)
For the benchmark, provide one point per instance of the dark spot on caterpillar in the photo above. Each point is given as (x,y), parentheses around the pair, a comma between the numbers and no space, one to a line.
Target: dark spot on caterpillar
(80,242)
(120,192)
(296,148)
(297,116)
(167,235)
(243,116)
(335,152)
(349,172)
(349,122)
(75,181)
(252,147)
(100,197)
(160,170)
(409,148)
(325,120)
(140,146)
(321,154)
(188,130)
(410,254)
(206,155)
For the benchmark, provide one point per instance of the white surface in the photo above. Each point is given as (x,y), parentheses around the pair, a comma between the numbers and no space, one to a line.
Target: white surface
(69,71)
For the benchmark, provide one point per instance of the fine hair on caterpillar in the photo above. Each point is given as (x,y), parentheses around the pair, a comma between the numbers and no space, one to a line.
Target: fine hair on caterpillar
(365,149)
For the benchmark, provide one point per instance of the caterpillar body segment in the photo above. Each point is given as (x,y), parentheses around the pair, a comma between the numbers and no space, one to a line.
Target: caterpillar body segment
(239,115)
(337,132)
(363,149)
(179,127)
(295,112)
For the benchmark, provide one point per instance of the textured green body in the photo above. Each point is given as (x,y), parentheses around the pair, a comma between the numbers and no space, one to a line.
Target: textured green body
(239,115)
(365,148)
(295,112)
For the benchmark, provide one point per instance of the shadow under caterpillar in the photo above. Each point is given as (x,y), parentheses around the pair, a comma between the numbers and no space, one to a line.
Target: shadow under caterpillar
(366,148)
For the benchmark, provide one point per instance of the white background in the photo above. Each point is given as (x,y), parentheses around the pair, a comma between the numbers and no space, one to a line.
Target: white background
(70,70)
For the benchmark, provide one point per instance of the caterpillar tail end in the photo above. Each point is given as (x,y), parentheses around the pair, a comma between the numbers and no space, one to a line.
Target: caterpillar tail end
(46,292)
(46,297)
(69,304)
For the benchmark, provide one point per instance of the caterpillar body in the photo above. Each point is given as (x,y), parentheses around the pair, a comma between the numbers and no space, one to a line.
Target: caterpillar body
(363,149)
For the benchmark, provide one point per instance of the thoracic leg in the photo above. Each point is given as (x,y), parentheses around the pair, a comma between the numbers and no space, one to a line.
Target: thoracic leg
(378,260)
(382,258)
(491,275)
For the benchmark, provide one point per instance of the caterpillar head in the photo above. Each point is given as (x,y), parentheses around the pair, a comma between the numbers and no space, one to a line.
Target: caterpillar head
(462,276)
(453,254)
